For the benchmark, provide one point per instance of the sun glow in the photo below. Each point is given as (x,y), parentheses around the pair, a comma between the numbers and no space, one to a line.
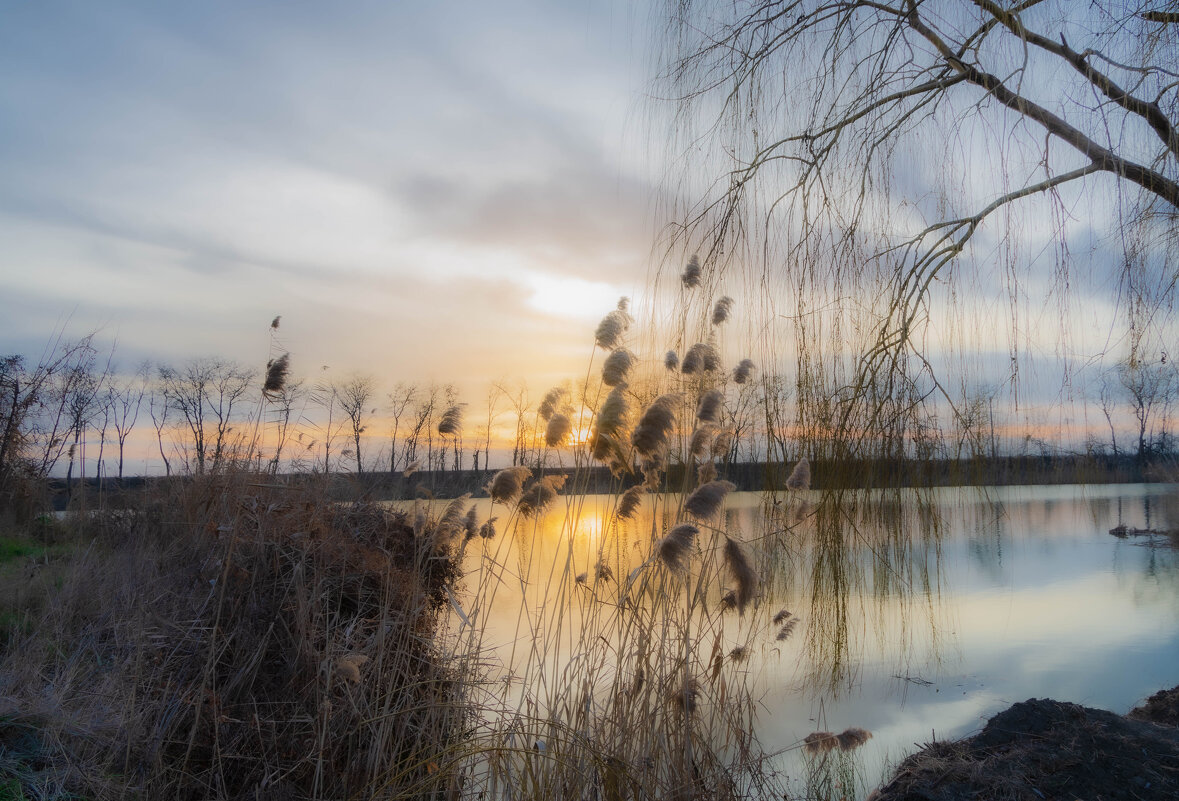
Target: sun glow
(571,297)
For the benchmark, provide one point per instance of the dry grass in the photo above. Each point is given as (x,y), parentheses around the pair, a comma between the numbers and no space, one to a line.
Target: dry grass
(229,641)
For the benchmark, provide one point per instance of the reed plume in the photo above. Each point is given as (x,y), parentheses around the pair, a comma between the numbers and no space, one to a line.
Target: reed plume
(451,423)
(675,547)
(611,328)
(708,410)
(506,485)
(549,404)
(706,473)
(787,629)
(690,277)
(743,371)
(617,365)
(722,444)
(705,501)
(557,431)
(721,310)
(671,360)
(743,574)
(540,495)
(728,600)
(623,304)
(412,468)
(800,476)
(698,443)
(782,616)
(701,357)
(274,323)
(453,514)
(581,578)
(609,427)
(487,530)
(276,375)
(651,434)
(472,522)
(820,742)
(853,738)
(629,503)
(739,653)
(602,572)
(684,699)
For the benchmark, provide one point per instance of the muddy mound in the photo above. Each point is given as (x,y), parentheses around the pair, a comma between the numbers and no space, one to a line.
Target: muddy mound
(1162,707)
(1040,750)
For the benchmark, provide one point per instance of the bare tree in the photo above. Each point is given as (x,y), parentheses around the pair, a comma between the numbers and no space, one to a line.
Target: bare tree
(124,399)
(1150,387)
(205,392)
(354,395)
(861,145)
(399,400)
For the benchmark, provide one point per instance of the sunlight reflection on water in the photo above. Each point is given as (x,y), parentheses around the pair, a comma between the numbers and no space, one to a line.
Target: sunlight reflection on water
(1018,592)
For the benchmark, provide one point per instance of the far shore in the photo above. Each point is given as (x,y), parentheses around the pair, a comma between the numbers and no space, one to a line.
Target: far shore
(748,477)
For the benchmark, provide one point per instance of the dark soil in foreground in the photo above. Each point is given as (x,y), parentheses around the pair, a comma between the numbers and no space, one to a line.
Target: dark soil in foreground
(1041,750)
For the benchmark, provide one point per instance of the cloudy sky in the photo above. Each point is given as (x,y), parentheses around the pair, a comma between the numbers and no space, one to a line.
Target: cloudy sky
(422,191)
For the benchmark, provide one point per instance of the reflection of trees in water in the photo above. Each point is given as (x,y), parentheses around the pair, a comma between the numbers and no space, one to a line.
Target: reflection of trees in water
(865,568)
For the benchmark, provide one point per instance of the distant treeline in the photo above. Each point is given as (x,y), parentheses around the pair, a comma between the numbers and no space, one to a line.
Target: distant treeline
(748,476)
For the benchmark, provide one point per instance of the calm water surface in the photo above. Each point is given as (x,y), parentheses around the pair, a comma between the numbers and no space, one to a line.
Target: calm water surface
(920,625)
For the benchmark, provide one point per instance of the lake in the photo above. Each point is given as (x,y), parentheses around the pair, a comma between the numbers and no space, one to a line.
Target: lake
(921,614)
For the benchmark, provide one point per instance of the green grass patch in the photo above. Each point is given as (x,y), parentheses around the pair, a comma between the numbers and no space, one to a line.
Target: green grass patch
(12,548)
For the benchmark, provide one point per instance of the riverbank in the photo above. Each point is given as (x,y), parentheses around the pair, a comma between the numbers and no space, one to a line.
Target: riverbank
(747,476)
(1043,749)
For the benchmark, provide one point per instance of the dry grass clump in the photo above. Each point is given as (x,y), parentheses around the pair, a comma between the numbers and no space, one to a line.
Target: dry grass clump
(231,642)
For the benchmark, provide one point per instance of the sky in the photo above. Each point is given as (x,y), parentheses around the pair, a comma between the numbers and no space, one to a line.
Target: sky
(452,192)
(439,192)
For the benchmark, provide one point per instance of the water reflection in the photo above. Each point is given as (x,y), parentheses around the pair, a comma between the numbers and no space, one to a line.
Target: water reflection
(921,614)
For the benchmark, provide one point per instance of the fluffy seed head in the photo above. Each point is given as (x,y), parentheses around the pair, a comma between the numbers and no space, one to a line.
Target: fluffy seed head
(671,360)
(506,485)
(722,443)
(602,572)
(629,503)
(623,304)
(412,468)
(610,330)
(800,476)
(743,575)
(706,473)
(698,444)
(452,421)
(548,406)
(540,495)
(787,629)
(721,310)
(487,530)
(609,426)
(651,434)
(675,547)
(739,653)
(557,430)
(782,616)
(684,699)
(853,738)
(820,742)
(743,371)
(276,373)
(690,277)
(709,408)
(701,357)
(706,500)
(454,515)
(471,523)
(617,365)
